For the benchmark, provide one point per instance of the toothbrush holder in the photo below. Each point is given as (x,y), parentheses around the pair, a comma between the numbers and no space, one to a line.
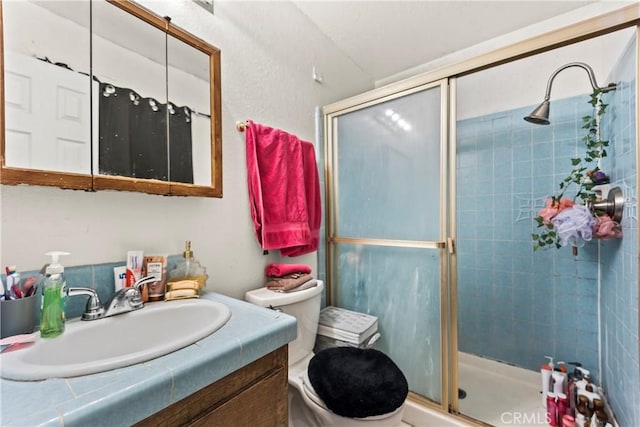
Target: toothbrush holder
(17,316)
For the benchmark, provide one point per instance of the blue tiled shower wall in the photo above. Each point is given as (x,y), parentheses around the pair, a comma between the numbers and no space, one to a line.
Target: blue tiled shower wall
(619,261)
(515,305)
(96,276)
(518,306)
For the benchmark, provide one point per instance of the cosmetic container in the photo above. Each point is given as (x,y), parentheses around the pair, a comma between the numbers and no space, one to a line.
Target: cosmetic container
(552,410)
(545,374)
(562,405)
(558,381)
(189,269)
(568,421)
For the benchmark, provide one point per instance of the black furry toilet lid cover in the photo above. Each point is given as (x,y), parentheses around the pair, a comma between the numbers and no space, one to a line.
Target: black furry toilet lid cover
(357,383)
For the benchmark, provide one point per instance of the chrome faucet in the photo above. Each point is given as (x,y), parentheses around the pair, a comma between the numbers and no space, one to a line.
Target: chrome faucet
(124,300)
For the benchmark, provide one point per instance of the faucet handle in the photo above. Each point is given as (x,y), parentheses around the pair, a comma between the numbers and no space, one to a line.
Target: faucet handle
(143,281)
(134,293)
(93,309)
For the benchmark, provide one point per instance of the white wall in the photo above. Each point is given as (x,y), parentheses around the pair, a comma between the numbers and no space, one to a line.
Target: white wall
(523,82)
(268,51)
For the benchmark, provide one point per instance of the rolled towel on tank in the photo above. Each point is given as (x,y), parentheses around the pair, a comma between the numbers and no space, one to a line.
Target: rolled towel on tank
(281,270)
(287,282)
(306,285)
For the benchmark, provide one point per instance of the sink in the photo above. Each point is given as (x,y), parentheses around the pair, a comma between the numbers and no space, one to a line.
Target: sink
(88,347)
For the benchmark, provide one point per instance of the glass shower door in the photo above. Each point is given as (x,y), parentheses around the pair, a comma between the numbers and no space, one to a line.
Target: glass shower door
(387,226)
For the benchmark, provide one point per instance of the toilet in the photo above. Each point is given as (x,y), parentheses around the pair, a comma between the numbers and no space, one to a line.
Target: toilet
(306,408)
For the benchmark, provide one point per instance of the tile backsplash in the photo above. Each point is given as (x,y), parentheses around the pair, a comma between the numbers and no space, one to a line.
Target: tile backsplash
(95,276)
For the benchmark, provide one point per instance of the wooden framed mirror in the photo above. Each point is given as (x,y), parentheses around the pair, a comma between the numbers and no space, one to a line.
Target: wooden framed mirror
(133,104)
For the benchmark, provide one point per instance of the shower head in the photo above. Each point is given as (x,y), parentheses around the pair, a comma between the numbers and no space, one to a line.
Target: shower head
(540,116)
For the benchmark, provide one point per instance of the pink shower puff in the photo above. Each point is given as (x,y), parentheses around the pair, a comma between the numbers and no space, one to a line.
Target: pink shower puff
(551,210)
(606,228)
(574,225)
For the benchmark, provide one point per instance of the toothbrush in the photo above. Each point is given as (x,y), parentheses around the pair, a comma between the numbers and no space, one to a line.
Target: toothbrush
(15,290)
(29,289)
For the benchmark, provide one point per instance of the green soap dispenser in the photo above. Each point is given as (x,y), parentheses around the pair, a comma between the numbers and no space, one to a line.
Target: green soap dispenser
(52,316)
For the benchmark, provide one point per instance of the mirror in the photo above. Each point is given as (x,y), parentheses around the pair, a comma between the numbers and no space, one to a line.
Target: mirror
(189,113)
(47,87)
(129,65)
(134,105)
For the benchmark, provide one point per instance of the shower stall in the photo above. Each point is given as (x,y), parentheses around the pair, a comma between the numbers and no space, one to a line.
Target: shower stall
(433,184)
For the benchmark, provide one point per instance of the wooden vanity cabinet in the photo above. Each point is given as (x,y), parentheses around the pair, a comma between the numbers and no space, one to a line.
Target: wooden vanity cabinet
(255,395)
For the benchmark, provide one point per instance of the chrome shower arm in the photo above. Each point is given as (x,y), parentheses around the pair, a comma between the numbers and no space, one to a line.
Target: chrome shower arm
(587,68)
(540,115)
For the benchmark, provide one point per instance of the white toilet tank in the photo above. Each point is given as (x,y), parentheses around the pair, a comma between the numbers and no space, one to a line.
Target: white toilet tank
(303,305)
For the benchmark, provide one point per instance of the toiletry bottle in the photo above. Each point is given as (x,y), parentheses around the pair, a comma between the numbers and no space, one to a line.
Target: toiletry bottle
(581,411)
(562,367)
(562,406)
(558,378)
(552,410)
(581,384)
(572,395)
(545,373)
(188,269)
(52,315)
(600,414)
(568,421)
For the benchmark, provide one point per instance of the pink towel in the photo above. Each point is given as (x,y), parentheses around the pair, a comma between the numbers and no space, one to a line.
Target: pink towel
(314,207)
(275,177)
(279,270)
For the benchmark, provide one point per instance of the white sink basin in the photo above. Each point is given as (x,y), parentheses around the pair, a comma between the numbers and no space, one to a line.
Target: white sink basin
(87,347)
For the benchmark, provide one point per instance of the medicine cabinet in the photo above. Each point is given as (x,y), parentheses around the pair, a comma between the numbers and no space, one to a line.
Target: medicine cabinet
(106,95)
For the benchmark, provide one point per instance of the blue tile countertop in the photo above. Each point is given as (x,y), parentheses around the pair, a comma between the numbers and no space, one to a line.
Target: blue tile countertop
(125,396)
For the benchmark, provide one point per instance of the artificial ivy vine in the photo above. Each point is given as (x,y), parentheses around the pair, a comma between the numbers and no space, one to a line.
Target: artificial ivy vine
(582,174)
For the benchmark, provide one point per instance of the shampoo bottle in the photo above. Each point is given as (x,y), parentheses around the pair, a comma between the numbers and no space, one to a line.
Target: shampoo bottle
(600,414)
(558,381)
(545,372)
(552,410)
(52,315)
(581,384)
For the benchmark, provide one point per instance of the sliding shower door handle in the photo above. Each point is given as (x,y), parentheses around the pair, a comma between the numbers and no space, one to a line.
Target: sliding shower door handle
(451,244)
(424,244)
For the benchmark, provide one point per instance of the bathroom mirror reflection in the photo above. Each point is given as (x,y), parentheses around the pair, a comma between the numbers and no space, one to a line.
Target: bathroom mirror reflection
(134,99)
(189,113)
(129,66)
(47,86)
(516,306)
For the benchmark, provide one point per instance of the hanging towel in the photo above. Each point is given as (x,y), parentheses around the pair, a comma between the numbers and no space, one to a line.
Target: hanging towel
(275,177)
(314,207)
(280,270)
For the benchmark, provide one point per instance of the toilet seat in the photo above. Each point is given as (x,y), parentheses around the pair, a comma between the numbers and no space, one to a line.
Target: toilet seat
(308,390)
(357,383)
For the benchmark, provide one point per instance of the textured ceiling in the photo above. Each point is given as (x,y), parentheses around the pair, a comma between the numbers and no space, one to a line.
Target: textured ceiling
(387,37)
